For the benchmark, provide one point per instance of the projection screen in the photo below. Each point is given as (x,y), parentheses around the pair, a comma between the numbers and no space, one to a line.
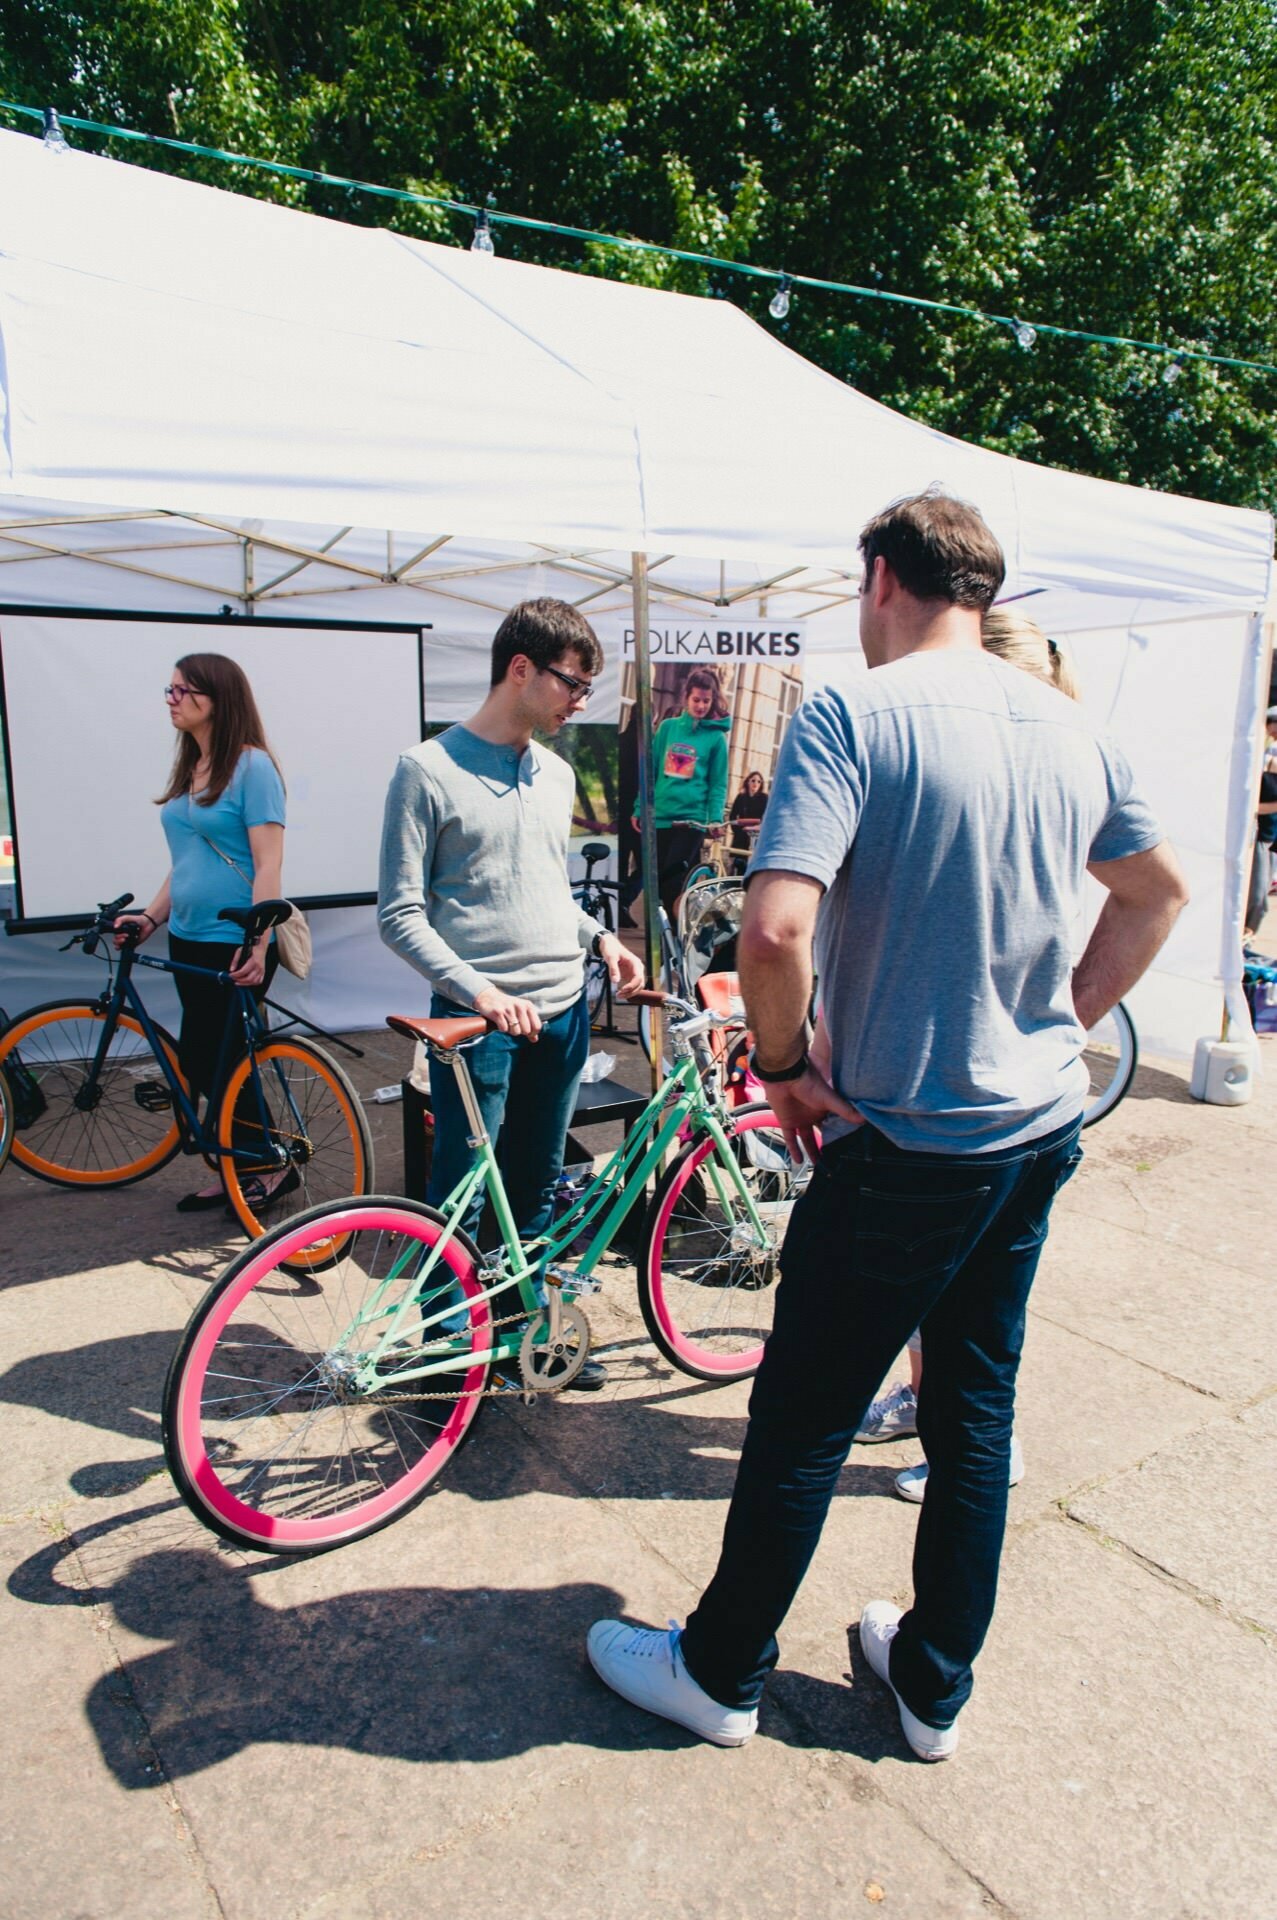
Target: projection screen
(89,742)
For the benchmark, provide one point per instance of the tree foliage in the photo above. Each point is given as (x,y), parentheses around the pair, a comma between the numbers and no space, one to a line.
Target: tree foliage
(1105,164)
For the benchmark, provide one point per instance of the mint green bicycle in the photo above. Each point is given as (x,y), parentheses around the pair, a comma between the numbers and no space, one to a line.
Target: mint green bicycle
(314,1400)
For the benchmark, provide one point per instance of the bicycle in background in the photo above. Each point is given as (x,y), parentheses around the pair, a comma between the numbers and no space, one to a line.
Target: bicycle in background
(6,1119)
(109,1104)
(1111,1054)
(595,897)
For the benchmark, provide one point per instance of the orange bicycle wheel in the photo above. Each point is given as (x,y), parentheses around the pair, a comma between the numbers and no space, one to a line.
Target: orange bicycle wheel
(301,1117)
(77,1129)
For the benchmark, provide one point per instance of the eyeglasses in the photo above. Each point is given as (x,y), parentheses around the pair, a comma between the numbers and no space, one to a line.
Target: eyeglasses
(177,692)
(579,689)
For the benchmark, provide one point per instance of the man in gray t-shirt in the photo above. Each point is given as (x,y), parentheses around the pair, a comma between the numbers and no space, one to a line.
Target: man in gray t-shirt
(929,834)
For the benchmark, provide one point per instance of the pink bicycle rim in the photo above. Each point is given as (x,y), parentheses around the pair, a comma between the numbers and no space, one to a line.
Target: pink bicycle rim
(299,1533)
(736,1363)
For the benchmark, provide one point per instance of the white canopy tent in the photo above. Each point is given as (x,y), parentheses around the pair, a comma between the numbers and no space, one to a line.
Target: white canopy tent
(211,401)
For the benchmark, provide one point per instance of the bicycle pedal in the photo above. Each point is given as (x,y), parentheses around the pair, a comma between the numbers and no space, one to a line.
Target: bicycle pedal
(568,1277)
(153,1096)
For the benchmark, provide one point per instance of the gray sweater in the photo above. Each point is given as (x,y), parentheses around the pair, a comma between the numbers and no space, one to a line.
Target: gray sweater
(474,886)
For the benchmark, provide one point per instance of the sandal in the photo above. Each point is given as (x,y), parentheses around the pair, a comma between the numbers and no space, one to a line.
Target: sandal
(259,1197)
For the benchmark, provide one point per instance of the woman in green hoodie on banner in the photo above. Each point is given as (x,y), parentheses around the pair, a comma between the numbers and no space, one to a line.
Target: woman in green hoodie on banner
(690,759)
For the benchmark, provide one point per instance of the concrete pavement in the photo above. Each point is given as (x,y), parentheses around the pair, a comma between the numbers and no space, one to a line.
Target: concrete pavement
(408,1725)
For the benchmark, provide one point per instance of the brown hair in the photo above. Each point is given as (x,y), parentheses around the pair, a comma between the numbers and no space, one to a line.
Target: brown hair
(1019,641)
(938,548)
(236,726)
(544,630)
(705,680)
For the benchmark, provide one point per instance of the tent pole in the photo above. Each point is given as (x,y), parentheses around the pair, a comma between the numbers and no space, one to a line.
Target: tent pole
(647,822)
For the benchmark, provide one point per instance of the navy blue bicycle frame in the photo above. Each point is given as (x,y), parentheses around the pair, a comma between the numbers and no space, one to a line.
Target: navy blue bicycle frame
(197,1137)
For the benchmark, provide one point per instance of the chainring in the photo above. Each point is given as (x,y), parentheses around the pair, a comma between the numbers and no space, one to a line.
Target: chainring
(549,1367)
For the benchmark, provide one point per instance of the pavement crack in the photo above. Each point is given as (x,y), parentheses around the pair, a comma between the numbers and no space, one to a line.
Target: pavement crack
(1111,1544)
(125,1699)
(1120,1353)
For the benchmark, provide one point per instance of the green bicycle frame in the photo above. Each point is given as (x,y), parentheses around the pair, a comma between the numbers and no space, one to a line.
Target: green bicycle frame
(610,1193)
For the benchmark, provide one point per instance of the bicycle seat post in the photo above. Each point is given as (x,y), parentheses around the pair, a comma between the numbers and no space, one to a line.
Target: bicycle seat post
(452,1057)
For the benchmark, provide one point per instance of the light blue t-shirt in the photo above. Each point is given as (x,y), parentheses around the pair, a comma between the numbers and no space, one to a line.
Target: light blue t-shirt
(949,804)
(202,883)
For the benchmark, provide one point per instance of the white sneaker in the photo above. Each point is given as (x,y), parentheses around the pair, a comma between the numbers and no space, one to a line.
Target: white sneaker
(912,1483)
(879,1624)
(646,1668)
(894,1417)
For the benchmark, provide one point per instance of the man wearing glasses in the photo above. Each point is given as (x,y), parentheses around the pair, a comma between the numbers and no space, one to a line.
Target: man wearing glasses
(474,894)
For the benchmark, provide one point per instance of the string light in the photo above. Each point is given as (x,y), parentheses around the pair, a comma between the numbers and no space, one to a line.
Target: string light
(1025,332)
(778,306)
(54,138)
(1171,373)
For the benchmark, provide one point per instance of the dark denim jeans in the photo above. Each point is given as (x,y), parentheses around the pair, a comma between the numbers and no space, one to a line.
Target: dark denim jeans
(527,1092)
(883,1241)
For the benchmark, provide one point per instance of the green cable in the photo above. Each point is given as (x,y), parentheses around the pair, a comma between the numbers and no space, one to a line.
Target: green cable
(318,178)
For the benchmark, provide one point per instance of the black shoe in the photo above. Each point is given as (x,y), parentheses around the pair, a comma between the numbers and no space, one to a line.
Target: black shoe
(256,1197)
(201,1202)
(592,1377)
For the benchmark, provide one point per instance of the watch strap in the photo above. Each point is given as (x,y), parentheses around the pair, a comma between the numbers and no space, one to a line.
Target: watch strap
(772,1076)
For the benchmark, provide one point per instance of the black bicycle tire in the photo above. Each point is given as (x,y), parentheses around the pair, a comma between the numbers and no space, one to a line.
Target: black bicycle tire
(1104,1106)
(6,1119)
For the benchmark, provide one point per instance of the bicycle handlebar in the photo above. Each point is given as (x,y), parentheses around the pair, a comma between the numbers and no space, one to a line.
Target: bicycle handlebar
(102,922)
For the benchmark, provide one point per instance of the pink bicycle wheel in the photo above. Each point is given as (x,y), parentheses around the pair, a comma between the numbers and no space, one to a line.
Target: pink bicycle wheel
(282,1432)
(707,1271)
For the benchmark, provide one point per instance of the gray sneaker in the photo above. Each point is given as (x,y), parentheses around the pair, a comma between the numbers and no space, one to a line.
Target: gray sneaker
(893,1417)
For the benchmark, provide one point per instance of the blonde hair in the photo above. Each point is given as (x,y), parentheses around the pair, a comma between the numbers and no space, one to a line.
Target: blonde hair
(1019,641)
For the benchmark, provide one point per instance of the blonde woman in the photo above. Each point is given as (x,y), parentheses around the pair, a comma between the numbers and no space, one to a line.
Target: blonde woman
(1013,637)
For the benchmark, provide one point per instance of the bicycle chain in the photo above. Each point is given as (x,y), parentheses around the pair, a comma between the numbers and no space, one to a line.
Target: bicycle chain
(485,1393)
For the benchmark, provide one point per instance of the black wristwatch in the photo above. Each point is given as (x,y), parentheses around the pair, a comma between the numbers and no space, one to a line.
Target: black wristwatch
(775,1075)
(596,946)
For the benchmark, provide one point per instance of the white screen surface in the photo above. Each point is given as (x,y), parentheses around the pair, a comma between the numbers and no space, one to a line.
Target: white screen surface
(90,745)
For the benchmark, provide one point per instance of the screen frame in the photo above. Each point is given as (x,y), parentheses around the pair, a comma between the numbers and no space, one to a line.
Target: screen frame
(18,922)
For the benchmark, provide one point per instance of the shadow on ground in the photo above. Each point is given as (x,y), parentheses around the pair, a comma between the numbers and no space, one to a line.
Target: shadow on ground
(423,1674)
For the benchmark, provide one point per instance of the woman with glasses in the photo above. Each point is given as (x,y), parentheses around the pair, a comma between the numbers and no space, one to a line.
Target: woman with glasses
(223,817)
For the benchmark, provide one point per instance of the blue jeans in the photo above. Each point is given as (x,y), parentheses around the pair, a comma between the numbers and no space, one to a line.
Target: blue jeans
(526,1091)
(883,1241)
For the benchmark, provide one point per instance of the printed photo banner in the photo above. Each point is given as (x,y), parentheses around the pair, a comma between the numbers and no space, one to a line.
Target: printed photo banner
(763,668)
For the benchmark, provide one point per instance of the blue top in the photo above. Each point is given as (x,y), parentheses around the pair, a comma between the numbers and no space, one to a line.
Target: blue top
(202,883)
(949,804)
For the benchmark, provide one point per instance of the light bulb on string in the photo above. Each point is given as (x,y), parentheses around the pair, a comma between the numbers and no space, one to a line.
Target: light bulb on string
(778,306)
(1171,372)
(482,242)
(54,138)
(1025,335)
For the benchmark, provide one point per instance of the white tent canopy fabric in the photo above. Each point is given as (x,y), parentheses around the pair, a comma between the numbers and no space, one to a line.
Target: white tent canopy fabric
(170,345)
(217,400)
